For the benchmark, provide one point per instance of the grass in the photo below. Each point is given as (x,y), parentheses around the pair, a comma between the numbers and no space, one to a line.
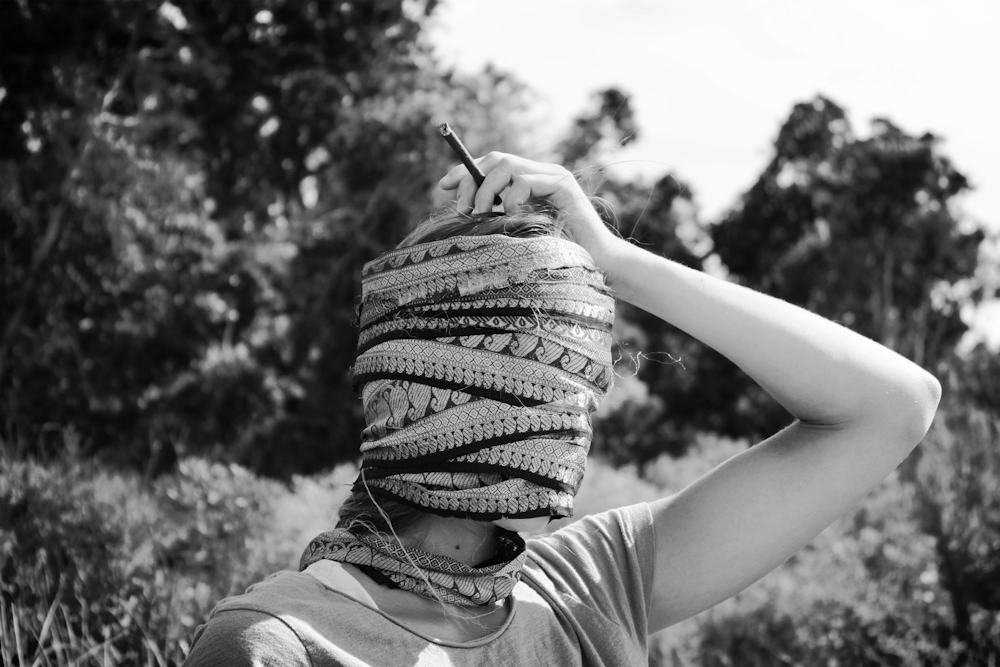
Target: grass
(101,568)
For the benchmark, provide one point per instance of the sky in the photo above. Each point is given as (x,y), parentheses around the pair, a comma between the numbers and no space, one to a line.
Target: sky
(712,81)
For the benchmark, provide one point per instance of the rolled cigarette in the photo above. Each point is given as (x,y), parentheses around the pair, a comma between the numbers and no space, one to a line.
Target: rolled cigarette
(463,154)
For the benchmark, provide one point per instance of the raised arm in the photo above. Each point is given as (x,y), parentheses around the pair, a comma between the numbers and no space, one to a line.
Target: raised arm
(859,407)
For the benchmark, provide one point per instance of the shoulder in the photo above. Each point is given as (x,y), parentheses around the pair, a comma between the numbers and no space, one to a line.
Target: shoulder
(262,625)
(595,539)
(598,574)
(599,555)
(239,637)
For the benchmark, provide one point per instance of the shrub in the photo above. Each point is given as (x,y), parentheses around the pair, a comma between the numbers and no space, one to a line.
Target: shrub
(64,580)
(908,578)
(99,566)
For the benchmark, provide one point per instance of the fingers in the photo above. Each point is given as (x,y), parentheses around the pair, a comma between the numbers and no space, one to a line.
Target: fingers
(521,179)
(458,178)
(459,172)
(517,194)
(526,186)
(498,178)
(466,192)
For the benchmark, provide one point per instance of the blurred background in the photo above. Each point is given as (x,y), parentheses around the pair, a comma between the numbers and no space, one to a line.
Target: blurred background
(189,189)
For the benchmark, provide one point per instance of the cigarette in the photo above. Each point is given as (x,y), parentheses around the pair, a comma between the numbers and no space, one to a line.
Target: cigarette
(463,154)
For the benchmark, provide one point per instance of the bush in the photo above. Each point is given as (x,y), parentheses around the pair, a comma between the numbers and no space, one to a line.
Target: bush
(98,566)
(62,575)
(908,578)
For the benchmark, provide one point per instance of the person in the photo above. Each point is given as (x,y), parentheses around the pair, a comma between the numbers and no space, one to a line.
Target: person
(483,348)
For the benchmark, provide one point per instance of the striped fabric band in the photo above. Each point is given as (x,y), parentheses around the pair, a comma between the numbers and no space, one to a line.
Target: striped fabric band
(480,359)
(423,573)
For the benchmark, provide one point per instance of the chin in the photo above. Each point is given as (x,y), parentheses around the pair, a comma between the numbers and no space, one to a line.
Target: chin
(529,525)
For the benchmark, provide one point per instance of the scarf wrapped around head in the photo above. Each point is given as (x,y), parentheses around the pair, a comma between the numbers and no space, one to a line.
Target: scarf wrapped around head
(480,359)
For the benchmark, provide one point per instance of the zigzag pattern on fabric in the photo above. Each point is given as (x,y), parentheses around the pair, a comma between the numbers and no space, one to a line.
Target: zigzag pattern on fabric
(509,498)
(453,431)
(554,464)
(479,362)
(563,297)
(480,359)
(450,581)
(574,333)
(570,380)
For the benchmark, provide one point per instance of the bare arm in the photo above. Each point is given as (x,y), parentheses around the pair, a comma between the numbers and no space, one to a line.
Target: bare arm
(859,407)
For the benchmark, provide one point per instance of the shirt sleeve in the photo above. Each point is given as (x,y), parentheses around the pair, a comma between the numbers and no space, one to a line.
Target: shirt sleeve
(606,562)
(246,638)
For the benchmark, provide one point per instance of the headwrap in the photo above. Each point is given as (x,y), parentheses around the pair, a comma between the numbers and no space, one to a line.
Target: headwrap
(480,359)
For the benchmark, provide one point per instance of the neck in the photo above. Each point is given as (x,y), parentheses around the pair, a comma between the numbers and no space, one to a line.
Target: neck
(465,540)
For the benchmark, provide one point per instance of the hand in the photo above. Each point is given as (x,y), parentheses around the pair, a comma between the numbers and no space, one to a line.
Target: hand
(516,180)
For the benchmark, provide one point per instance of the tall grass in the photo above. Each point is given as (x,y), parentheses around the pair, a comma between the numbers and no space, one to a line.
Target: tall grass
(100,568)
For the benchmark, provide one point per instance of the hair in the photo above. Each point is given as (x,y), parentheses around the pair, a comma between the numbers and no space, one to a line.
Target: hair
(448,223)
(360,511)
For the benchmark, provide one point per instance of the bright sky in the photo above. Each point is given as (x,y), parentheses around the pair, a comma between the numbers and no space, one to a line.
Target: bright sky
(711,81)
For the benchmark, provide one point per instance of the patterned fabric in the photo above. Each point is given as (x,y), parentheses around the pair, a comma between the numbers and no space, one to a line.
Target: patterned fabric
(480,360)
(424,573)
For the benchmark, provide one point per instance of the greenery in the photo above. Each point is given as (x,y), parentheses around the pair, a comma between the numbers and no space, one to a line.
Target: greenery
(100,567)
(909,578)
(190,191)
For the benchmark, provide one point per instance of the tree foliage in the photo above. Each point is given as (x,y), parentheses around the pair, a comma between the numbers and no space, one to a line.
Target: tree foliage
(861,231)
(610,123)
(195,187)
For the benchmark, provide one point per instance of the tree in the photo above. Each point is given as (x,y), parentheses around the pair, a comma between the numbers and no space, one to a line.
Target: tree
(193,183)
(862,232)
(610,123)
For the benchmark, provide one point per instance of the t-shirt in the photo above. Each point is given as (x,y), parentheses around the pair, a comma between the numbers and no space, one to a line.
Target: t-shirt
(582,600)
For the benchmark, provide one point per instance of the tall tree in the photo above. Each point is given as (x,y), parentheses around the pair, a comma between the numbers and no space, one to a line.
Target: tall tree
(192,183)
(862,231)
